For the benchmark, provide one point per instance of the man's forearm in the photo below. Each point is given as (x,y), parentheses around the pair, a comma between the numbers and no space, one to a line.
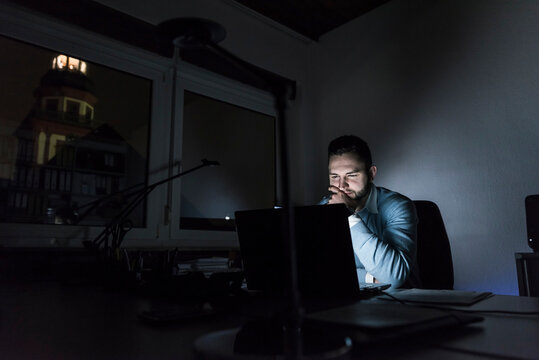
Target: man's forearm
(387,260)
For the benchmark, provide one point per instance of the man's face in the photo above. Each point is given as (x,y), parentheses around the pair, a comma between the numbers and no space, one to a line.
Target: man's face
(350,175)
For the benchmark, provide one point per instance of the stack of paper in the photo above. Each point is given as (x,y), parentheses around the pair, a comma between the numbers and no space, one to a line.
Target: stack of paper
(205,265)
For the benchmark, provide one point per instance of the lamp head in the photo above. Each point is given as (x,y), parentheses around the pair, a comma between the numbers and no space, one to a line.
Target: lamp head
(192,32)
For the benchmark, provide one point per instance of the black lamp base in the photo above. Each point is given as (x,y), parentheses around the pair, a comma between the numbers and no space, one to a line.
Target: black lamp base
(257,342)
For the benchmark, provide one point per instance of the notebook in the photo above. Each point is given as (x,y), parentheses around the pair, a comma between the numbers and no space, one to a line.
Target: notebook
(441,297)
(325,258)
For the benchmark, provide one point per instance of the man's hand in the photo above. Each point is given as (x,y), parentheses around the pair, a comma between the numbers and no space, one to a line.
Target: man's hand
(340,197)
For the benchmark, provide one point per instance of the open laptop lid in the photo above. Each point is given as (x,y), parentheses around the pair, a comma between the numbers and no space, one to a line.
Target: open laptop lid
(325,257)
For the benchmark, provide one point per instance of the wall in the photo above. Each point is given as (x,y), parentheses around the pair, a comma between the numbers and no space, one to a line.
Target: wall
(445,92)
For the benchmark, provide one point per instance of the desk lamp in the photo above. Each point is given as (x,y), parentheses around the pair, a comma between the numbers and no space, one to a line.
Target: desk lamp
(189,33)
(120,224)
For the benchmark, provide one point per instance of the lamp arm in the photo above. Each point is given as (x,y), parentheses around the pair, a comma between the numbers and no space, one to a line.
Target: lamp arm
(93,204)
(140,195)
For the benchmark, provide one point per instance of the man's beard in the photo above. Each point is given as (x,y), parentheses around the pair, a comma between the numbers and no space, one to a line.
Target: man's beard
(358,195)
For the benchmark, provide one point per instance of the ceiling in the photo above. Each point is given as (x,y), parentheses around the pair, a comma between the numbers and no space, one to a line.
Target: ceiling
(311,18)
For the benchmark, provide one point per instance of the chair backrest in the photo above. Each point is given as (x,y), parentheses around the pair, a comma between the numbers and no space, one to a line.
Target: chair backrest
(532,221)
(528,263)
(433,249)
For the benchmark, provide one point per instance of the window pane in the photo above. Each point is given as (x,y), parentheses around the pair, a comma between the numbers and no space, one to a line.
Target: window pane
(71,132)
(243,141)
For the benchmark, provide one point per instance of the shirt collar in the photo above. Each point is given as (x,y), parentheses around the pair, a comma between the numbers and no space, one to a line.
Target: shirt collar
(372,202)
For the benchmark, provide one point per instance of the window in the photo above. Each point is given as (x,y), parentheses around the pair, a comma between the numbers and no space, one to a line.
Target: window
(72,107)
(114,127)
(77,160)
(224,121)
(88,113)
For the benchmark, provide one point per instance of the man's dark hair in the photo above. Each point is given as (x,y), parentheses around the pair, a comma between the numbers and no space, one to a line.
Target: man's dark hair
(351,144)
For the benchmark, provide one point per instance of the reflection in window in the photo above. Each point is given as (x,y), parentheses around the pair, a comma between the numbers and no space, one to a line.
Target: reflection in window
(72,107)
(41,144)
(243,141)
(68,63)
(88,113)
(67,138)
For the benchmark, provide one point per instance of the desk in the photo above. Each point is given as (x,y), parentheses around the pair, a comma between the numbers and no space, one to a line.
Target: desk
(511,336)
(51,321)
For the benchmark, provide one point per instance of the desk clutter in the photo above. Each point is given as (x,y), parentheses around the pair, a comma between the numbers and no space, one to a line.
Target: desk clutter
(160,273)
(208,265)
(187,276)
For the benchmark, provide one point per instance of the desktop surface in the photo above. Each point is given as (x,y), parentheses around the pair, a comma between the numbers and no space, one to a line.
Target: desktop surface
(48,320)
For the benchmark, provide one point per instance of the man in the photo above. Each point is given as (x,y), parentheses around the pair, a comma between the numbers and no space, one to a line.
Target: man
(383,223)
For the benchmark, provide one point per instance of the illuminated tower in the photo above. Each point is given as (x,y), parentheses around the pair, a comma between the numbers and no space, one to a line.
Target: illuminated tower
(63,111)
(64,106)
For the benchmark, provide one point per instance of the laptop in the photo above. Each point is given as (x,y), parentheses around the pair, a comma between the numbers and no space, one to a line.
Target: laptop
(327,276)
(326,266)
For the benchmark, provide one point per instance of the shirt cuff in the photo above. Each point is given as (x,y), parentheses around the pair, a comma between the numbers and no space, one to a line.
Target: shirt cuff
(369,278)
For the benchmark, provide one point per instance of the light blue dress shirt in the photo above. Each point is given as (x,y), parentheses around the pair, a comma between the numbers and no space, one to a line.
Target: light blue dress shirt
(384,238)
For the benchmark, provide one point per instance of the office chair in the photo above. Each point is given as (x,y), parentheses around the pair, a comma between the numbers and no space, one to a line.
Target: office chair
(433,249)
